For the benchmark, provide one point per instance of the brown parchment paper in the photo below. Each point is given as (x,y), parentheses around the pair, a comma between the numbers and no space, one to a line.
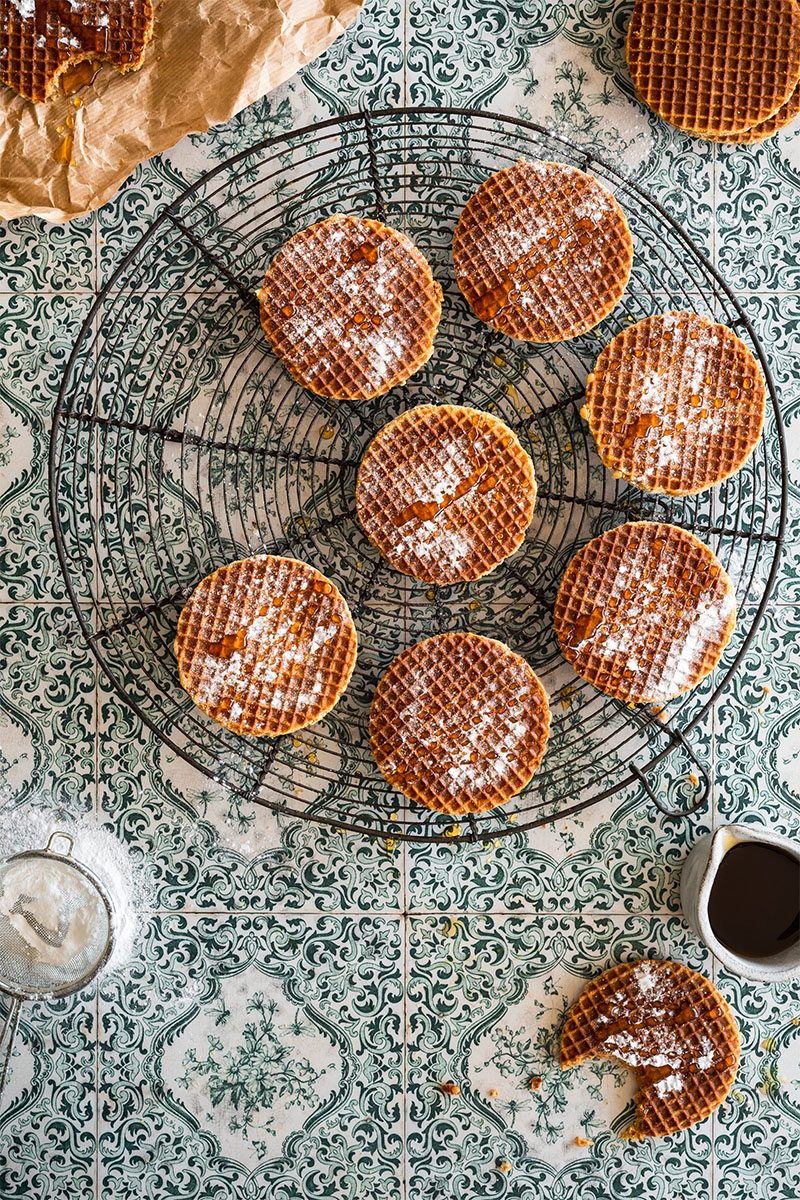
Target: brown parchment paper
(207,60)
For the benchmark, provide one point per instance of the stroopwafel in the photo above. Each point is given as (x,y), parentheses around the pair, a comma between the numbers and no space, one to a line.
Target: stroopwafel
(784,116)
(265,645)
(672,1027)
(644,611)
(675,404)
(445,492)
(459,723)
(40,42)
(350,307)
(716,67)
(542,251)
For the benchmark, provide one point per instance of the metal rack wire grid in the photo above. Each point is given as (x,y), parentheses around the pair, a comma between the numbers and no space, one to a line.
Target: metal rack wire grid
(179,443)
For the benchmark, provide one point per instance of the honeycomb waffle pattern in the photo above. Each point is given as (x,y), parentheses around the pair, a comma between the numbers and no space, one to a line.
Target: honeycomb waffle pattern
(672,1027)
(717,67)
(644,611)
(784,116)
(350,307)
(445,493)
(459,723)
(675,404)
(542,252)
(265,645)
(36,49)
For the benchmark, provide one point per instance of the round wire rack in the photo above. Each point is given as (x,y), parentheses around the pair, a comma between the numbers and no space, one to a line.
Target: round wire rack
(179,443)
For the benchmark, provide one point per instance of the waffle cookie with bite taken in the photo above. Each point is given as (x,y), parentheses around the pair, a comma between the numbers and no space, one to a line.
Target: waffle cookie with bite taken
(671,1026)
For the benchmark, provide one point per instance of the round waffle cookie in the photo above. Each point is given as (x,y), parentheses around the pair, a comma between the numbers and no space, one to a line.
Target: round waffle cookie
(350,307)
(445,493)
(542,252)
(265,645)
(40,43)
(672,1027)
(675,404)
(716,67)
(459,723)
(784,116)
(644,611)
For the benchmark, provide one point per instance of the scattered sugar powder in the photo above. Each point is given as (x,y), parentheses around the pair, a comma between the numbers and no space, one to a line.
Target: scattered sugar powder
(129,888)
(54,910)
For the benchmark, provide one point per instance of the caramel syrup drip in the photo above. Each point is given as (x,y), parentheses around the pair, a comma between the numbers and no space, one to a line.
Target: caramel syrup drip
(428,511)
(79,76)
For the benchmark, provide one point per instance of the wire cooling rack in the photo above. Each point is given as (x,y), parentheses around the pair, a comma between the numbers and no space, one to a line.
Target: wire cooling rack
(179,444)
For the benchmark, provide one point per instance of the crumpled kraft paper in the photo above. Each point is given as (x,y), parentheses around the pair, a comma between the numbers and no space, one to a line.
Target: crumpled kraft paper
(207,60)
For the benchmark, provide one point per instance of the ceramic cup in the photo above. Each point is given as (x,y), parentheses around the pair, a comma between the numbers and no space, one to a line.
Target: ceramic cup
(697,880)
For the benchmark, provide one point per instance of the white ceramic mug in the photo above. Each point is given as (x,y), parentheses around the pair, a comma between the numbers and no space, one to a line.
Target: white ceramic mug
(697,880)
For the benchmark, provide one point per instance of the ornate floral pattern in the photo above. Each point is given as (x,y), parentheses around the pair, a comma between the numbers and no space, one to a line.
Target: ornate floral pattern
(298,995)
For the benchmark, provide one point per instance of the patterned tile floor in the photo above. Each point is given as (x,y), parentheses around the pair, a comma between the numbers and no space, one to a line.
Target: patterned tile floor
(295,996)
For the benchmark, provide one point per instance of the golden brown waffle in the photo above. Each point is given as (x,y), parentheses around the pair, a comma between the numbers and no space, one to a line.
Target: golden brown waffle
(265,645)
(675,404)
(644,611)
(716,67)
(672,1027)
(445,493)
(459,723)
(542,252)
(784,116)
(350,307)
(39,44)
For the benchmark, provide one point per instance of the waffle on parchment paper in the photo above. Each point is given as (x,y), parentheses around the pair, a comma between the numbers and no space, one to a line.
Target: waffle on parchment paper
(644,611)
(542,252)
(459,723)
(265,645)
(675,404)
(715,67)
(39,43)
(350,307)
(672,1027)
(445,492)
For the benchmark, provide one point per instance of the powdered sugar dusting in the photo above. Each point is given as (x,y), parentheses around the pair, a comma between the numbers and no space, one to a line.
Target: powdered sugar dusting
(681,416)
(345,303)
(654,627)
(446,492)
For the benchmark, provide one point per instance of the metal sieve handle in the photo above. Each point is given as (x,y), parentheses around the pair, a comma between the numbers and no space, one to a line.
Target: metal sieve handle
(58,834)
(7,1038)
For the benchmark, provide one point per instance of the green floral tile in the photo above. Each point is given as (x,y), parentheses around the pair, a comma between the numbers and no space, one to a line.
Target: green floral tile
(36,256)
(37,334)
(46,710)
(487,998)
(757,1130)
(259,1054)
(758,191)
(206,848)
(49,1110)
(760,721)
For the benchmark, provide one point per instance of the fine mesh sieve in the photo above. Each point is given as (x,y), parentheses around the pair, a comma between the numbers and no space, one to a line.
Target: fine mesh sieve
(56,930)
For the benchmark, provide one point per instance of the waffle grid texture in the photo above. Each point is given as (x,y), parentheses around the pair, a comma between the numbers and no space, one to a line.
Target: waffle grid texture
(350,308)
(672,1027)
(715,67)
(542,252)
(36,49)
(459,723)
(782,117)
(265,645)
(644,611)
(445,493)
(675,404)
